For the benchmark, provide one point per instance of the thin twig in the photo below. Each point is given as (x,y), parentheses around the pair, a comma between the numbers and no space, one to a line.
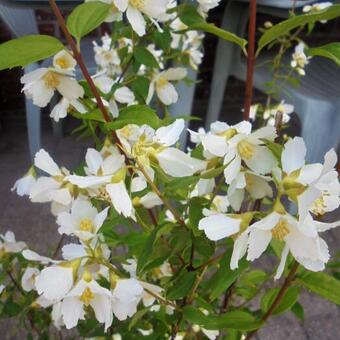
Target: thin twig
(60,243)
(250,59)
(279,297)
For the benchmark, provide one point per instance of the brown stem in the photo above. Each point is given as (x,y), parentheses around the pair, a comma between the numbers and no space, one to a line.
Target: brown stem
(250,59)
(78,57)
(279,297)
(60,243)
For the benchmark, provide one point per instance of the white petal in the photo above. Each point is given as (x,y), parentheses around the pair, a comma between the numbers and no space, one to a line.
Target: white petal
(239,250)
(263,161)
(150,200)
(93,160)
(173,74)
(293,155)
(70,88)
(120,199)
(100,218)
(102,309)
(72,311)
(219,226)
(73,251)
(167,93)
(176,163)
(124,95)
(216,145)
(268,222)
(309,173)
(259,240)
(282,264)
(88,181)
(27,280)
(169,135)
(44,161)
(232,170)
(136,20)
(54,282)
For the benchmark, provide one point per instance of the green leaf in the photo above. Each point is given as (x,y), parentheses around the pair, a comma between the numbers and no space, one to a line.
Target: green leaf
(181,285)
(330,51)
(298,310)
(181,182)
(135,114)
(196,206)
(27,50)
(275,148)
(219,32)
(86,17)
(284,27)
(225,277)
(237,320)
(140,87)
(213,172)
(322,284)
(145,57)
(288,300)
(96,115)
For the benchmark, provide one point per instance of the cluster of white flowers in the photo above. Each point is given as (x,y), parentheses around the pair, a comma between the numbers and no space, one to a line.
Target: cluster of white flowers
(314,188)
(299,59)
(317,7)
(281,111)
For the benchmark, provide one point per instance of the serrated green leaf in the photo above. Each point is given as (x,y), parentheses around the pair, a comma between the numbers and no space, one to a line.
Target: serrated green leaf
(288,300)
(27,50)
(87,17)
(181,286)
(145,57)
(330,51)
(135,114)
(237,320)
(284,27)
(322,284)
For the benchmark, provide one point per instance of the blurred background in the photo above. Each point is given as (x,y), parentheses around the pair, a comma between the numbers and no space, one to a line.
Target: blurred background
(34,224)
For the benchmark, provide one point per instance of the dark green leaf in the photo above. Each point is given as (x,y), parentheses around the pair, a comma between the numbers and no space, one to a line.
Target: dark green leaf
(87,17)
(145,57)
(288,300)
(135,114)
(330,51)
(298,310)
(27,50)
(182,285)
(284,27)
(322,284)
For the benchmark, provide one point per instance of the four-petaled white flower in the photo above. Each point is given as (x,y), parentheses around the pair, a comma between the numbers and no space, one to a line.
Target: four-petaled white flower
(84,221)
(299,59)
(8,244)
(161,83)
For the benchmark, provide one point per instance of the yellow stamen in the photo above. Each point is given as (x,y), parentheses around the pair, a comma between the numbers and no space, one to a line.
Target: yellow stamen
(86,225)
(246,149)
(87,296)
(51,80)
(137,3)
(281,230)
(319,205)
(161,82)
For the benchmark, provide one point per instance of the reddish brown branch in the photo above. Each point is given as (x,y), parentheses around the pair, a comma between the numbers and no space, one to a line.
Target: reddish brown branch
(77,55)
(250,59)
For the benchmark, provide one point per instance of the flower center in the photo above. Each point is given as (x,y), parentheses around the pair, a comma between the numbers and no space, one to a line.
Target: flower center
(319,206)
(137,3)
(87,296)
(51,80)
(161,82)
(230,133)
(246,149)
(86,225)
(281,230)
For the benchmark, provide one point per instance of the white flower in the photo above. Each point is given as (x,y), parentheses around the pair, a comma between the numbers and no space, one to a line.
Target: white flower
(50,189)
(106,179)
(125,298)
(284,109)
(63,62)
(249,148)
(8,244)
(299,59)
(323,192)
(28,279)
(311,252)
(150,200)
(84,221)
(316,8)
(87,293)
(41,84)
(64,105)
(24,185)
(166,91)
(136,8)
(144,143)
(53,283)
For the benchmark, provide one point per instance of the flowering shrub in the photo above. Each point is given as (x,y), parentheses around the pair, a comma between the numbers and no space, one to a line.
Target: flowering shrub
(164,239)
